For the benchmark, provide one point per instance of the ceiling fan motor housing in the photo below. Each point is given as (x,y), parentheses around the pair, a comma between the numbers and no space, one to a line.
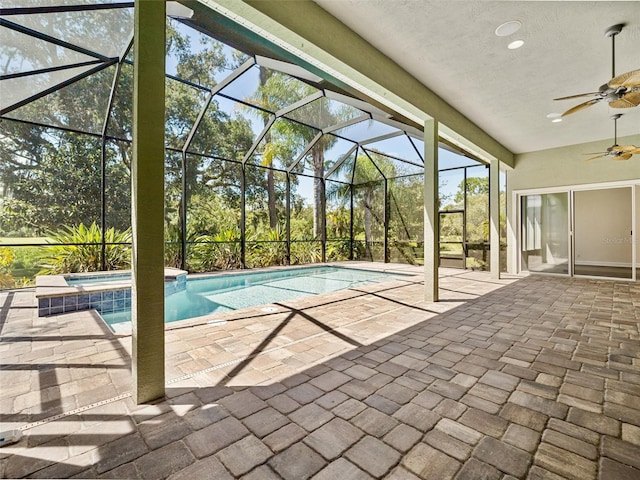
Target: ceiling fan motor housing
(613,30)
(622,91)
(615,94)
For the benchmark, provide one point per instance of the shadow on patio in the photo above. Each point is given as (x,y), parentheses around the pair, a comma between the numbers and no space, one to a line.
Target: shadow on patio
(536,377)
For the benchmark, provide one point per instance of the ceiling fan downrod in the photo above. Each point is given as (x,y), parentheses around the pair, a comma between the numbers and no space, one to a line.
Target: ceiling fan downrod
(612,32)
(615,118)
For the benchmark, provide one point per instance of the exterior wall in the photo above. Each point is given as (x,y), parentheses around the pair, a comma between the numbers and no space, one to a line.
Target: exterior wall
(565,167)
(600,237)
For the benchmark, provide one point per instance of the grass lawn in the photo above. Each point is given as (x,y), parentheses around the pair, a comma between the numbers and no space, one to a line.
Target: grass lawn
(26,260)
(16,240)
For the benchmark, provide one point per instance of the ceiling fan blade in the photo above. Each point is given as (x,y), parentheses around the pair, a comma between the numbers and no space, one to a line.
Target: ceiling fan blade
(595,153)
(624,156)
(628,100)
(624,148)
(577,96)
(628,80)
(581,106)
(602,155)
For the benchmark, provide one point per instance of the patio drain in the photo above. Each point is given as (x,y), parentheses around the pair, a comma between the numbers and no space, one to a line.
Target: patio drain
(217,323)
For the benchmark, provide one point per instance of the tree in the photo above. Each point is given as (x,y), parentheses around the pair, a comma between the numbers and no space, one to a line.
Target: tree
(60,185)
(287,138)
(406,196)
(49,177)
(267,157)
(33,200)
(476,186)
(476,217)
(369,173)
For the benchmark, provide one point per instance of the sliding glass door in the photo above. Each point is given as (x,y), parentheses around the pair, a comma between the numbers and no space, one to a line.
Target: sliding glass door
(586,231)
(603,239)
(544,236)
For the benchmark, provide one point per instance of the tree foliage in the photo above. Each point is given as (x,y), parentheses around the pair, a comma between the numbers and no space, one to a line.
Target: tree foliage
(51,180)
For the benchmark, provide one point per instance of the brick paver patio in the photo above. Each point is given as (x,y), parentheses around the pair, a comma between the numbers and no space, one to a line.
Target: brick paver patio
(532,378)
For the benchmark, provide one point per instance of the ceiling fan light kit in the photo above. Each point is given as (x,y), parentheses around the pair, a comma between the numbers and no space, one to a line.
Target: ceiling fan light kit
(622,91)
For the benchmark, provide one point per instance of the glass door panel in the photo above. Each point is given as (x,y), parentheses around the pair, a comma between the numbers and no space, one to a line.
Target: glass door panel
(603,243)
(544,245)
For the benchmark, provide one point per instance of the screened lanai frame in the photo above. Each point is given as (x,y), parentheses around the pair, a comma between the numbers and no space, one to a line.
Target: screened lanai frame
(363,144)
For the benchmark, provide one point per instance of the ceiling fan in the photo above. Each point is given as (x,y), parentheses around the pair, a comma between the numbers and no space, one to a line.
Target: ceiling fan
(616,152)
(622,91)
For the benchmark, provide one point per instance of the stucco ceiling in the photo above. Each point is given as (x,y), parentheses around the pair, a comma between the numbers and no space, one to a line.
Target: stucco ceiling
(451,47)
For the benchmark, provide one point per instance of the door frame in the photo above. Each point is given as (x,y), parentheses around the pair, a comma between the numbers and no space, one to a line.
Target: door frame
(518,249)
(570,190)
(463,242)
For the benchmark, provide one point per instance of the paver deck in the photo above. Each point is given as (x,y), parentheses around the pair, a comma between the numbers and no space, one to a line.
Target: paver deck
(533,378)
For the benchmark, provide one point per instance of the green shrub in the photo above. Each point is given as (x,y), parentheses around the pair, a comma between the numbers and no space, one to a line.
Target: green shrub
(19,266)
(83,250)
(305,252)
(6,261)
(266,247)
(407,252)
(7,257)
(338,250)
(172,246)
(216,252)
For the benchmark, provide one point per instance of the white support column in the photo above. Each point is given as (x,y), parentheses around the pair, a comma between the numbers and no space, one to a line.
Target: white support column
(494,216)
(431,236)
(147,202)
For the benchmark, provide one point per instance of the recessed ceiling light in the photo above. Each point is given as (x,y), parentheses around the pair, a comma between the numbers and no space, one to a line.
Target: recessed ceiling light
(556,120)
(508,28)
(515,44)
(554,115)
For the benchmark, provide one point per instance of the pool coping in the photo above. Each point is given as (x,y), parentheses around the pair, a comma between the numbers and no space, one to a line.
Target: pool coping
(220,318)
(52,288)
(54,295)
(53,285)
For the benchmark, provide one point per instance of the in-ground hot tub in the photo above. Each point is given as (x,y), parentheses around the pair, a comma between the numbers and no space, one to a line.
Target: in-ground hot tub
(106,292)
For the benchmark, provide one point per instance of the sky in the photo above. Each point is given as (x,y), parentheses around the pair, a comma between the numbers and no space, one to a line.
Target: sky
(246,85)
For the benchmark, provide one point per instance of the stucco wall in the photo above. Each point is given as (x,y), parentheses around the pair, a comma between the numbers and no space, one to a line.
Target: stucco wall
(566,167)
(603,227)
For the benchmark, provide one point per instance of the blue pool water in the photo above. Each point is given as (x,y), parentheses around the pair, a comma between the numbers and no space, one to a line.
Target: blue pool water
(84,281)
(222,293)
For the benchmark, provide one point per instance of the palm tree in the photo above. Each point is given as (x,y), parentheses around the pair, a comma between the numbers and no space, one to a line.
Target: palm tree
(285,139)
(267,160)
(368,172)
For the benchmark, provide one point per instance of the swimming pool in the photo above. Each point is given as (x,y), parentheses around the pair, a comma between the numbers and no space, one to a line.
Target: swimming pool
(222,293)
(90,280)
